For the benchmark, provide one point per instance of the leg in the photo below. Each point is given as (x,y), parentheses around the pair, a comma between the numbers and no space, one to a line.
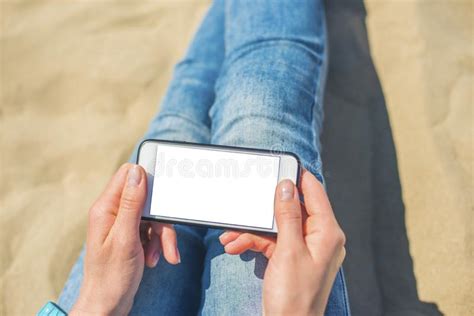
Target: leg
(268,96)
(269,92)
(183,116)
(184,112)
(232,285)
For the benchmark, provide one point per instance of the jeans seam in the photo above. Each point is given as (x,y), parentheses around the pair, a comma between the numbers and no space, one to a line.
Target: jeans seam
(251,46)
(345,295)
(255,45)
(164,115)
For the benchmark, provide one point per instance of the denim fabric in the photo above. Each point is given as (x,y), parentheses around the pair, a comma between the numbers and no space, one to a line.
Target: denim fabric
(253,76)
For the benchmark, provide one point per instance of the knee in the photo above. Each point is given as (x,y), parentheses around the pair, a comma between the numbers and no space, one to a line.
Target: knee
(178,127)
(262,113)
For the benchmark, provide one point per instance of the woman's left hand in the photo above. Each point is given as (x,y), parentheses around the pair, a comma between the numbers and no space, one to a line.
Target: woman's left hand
(118,246)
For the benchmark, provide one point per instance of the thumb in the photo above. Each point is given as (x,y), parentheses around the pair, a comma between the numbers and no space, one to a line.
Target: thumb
(288,216)
(132,201)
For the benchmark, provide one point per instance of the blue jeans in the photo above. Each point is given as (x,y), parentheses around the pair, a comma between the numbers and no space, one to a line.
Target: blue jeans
(253,77)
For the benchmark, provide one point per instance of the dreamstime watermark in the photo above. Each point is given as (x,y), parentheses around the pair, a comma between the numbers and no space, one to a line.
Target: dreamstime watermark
(263,166)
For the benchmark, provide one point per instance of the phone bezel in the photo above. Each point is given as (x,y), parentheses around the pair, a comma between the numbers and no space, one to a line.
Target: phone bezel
(289,169)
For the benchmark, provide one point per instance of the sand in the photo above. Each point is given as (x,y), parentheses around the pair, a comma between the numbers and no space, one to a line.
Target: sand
(423,51)
(80,81)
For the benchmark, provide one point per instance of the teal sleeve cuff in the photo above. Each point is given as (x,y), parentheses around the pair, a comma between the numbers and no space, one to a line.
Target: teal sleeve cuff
(51,309)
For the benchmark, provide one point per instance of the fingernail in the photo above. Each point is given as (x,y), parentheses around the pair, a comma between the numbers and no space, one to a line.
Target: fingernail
(178,255)
(134,176)
(156,258)
(286,190)
(222,237)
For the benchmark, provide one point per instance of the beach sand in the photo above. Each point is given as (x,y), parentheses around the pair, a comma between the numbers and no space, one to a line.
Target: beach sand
(81,80)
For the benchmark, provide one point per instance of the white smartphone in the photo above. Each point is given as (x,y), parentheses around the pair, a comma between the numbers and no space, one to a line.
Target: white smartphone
(215,186)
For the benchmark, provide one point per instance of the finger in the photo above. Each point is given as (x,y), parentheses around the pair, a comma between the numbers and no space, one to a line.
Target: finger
(341,257)
(288,215)
(152,251)
(315,197)
(239,246)
(131,202)
(228,236)
(246,241)
(323,236)
(103,213)
(325,240)
(170,245)
(169,242)
(113,191)
(144,227)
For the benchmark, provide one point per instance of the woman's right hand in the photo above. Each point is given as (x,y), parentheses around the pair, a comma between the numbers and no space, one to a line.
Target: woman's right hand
(307,256)
(308,253)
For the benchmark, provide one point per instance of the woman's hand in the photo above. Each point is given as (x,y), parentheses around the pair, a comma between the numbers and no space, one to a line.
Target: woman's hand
(307,255)
(118,245)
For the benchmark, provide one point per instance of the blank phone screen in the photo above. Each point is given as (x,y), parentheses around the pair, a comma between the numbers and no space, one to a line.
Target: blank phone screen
(214,185)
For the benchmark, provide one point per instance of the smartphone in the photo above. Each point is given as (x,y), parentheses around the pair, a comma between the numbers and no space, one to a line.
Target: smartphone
(212,185)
